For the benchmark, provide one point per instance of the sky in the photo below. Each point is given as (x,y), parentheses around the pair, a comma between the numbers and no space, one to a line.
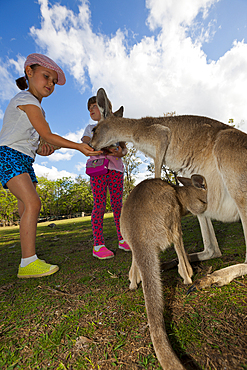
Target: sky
(153,57)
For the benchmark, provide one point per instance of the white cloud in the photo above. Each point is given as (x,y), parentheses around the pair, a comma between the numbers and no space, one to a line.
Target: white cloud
(8,87)
(80,166)
(164,73)
(18,64)
(52,173)
(75,136)
(61,155)
(142,176)
(170,15)
(7,83)
(65,154)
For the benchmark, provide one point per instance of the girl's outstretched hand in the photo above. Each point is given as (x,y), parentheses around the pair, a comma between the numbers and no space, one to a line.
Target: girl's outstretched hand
(87,150)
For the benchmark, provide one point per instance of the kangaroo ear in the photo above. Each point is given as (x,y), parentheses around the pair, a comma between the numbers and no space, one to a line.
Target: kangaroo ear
(184,180)
(103,103)
(119,112)
(199,181)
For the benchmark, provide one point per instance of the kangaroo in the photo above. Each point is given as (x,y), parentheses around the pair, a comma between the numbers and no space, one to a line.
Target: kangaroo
(150,221)
(189,145)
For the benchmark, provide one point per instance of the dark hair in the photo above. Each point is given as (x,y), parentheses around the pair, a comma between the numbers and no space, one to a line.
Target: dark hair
(92,100)
(21,82)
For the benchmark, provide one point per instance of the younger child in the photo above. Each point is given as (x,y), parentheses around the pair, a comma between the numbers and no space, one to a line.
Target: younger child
(113,180)
(23,124)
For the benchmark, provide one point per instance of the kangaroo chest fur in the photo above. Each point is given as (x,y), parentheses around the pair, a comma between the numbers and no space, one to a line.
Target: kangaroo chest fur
(192,149)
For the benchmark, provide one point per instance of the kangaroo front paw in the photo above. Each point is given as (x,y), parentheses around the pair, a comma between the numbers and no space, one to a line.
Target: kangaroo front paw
(134,276)
(133,285)
(205,255)
(134,281)
(187,281)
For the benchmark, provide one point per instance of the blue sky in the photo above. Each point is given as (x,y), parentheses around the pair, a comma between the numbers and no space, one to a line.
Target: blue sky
(151,56)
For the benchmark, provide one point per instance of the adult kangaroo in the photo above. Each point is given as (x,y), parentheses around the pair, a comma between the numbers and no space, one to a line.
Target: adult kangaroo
(189,145)
(151,221)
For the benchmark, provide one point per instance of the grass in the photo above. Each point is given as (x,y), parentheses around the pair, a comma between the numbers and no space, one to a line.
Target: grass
(85,317)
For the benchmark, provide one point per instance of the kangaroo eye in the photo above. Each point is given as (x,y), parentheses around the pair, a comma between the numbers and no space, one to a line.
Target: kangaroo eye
(94,129)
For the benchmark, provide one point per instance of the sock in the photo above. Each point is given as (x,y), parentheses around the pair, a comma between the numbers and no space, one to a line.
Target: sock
(97,247)
(121,241)
(26,261)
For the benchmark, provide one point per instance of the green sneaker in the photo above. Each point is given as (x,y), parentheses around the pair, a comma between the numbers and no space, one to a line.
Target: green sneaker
(37,269)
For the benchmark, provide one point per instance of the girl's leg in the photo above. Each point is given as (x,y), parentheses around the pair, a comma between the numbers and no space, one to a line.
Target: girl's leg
(99,190)
(29,205)
(21,206)
(115,184)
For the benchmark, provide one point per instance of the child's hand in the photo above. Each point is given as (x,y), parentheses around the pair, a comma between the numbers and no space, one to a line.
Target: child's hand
(87,150)
(46,150)
(115,151)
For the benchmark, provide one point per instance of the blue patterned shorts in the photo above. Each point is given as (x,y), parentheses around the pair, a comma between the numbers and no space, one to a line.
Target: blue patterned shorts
(14,163)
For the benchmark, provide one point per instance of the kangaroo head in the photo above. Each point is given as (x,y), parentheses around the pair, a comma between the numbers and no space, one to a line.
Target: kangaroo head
(193,195)
(103,135)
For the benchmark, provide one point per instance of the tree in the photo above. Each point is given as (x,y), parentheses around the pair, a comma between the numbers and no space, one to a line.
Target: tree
(64,196)
(166,174)
(131,163)
(64,191)
(82,196)
(238,125)
(8,207)
(46,191)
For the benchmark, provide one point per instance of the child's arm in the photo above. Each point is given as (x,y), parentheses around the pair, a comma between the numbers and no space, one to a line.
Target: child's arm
(85,139)
(42,127)
(124,147)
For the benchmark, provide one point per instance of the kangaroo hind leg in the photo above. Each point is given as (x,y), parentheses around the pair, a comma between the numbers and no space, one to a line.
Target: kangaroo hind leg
(211,247)
(222,277)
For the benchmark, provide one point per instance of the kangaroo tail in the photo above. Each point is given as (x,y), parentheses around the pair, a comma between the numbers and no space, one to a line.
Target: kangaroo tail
(149,268)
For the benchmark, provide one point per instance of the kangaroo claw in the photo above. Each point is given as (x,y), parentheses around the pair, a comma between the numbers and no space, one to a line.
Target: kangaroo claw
(193,288)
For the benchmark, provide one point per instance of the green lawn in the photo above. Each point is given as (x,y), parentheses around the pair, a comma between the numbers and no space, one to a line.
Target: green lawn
(85,317)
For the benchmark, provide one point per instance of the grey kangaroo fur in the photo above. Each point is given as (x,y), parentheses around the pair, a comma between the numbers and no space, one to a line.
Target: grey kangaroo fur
(189,145)
(150,222)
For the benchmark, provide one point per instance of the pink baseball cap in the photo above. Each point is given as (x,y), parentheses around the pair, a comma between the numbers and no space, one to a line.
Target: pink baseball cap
(46,62)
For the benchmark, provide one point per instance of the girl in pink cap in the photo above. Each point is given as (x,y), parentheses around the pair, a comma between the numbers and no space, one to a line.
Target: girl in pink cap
(23,125)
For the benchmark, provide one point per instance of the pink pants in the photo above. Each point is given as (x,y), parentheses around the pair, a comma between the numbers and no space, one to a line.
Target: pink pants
(114,181)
